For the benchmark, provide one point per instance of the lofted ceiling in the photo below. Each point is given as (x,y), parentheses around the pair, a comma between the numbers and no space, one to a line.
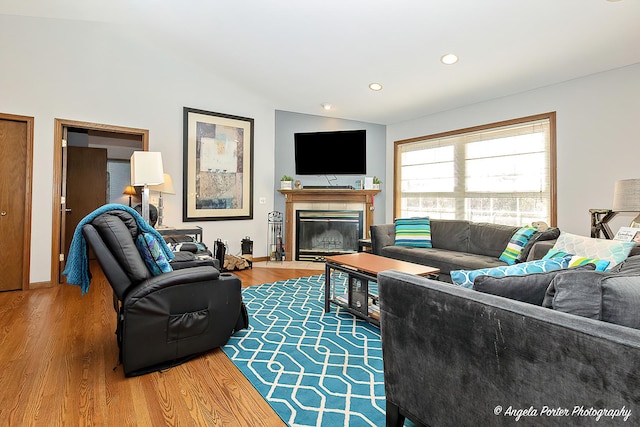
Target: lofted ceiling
(299,54)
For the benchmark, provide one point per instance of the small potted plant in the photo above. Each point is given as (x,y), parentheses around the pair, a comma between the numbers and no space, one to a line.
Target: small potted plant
(376,183)
(286,182)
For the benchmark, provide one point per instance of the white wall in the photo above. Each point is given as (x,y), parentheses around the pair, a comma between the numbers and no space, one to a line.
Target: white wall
(89,72)
(598,138)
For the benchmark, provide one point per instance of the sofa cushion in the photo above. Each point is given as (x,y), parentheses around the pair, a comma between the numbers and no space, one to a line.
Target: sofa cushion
(613,298)
(530,288)
(450,234)
(612,250)
(516,244)
(629,266)
(413,232)
(465,278)
(489,239)
(443,259)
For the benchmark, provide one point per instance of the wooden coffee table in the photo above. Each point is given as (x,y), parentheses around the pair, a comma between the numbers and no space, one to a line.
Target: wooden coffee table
(362,268)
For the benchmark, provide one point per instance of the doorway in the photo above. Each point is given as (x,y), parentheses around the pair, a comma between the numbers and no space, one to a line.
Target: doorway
(16,165)
(79,190)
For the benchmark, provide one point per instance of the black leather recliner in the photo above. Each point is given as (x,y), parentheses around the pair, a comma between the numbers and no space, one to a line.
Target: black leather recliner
(167,319)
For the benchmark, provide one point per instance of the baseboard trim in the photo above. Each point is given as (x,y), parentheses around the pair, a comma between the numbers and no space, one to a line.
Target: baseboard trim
(40,285)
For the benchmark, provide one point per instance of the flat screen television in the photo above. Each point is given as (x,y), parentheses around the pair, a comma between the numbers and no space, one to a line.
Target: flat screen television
(331,153)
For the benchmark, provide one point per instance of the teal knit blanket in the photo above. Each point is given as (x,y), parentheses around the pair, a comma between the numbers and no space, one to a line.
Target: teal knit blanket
(77,266)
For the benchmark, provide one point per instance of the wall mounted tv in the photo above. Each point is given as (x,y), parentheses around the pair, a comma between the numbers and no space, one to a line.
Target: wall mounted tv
(331,153)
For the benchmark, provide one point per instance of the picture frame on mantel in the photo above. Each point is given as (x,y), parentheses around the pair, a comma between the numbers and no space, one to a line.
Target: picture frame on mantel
(217,166)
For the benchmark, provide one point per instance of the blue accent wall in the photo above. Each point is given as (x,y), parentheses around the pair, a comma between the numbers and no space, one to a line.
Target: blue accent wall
(288,123)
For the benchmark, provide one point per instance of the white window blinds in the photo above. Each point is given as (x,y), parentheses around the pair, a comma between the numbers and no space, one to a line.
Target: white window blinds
(501,173)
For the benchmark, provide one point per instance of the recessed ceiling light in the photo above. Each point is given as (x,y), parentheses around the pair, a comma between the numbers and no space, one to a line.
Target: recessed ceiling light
(375,86)
(326,106)
(449,59)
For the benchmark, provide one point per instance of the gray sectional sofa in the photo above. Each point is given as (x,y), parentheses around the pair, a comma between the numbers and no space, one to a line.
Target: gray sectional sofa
(459,245)
(458,357)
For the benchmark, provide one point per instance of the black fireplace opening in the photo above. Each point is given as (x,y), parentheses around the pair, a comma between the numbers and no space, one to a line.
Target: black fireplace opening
(327,232)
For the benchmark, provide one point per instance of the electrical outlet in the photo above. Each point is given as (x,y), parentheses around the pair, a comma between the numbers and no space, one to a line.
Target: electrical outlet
(263,200)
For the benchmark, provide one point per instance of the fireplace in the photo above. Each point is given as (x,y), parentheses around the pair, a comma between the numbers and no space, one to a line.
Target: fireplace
(327,232)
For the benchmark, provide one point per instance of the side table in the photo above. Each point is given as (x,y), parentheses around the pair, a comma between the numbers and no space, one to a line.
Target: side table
(194,231)
(599,220)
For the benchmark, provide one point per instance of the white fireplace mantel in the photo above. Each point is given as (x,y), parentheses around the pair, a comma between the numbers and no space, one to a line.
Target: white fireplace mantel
(324,199)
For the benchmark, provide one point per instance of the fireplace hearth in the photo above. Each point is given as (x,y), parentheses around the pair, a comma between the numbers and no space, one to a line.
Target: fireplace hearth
(327,232)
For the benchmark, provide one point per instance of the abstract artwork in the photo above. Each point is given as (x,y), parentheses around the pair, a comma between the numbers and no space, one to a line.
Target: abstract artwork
(218,166)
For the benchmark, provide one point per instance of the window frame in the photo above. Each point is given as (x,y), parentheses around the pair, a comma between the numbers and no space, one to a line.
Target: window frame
(550,116)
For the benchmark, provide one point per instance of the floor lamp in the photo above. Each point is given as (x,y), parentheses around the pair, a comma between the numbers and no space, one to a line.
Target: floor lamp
(167,188)
(146,169)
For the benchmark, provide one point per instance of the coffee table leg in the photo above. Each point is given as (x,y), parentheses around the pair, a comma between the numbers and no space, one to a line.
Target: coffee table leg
(327,288)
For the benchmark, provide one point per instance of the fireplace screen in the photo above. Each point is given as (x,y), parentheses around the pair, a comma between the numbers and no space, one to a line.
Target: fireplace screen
(322,233)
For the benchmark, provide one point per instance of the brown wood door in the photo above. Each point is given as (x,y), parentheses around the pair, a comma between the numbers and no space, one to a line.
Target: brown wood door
(86,182)
(16,141)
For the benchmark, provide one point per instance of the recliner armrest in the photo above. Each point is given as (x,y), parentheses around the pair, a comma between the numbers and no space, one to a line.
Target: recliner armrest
(173,278)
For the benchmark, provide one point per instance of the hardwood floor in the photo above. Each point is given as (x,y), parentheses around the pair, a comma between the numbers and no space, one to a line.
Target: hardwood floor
(58,352)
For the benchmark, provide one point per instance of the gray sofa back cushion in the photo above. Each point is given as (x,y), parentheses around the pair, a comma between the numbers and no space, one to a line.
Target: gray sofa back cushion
(450,234)
(489,239)
(611,297)
(529,288)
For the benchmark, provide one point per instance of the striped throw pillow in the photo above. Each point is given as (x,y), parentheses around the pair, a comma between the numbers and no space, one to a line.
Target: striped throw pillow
(413,232)
(516,244)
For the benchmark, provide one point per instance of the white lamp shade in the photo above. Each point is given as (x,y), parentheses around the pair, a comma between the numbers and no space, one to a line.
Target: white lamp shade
(626,196)
(146,168)
(166,187)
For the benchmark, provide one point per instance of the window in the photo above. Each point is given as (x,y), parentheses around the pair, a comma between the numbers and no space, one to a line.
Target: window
(502,173)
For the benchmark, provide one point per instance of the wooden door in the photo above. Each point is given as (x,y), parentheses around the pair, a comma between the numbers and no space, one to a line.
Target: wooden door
(86,187)
(16,142)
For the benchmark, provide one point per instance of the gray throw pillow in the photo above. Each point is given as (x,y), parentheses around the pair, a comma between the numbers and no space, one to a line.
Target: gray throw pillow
(621,300)
(530,288)
(576,292)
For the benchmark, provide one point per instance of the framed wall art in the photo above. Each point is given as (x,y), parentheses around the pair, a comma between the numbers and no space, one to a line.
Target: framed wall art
(218,166)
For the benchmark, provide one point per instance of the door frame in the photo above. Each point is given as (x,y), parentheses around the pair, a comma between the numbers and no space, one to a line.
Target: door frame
(58,207)
(28,184)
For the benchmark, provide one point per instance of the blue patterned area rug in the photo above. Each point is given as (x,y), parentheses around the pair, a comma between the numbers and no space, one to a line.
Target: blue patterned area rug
(314,368)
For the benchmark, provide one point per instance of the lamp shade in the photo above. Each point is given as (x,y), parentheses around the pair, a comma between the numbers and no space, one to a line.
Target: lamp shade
(166,187)
(626,196)
(129,190)
(146,168)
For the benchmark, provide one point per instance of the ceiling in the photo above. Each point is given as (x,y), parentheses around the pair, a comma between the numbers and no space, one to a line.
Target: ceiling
(299,54)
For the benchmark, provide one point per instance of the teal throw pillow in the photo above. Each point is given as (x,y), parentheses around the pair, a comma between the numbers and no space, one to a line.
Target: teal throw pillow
(413,232)
(152,254)
(517,243)
(601,264)
(554,253)
(465,278)
(577,260)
